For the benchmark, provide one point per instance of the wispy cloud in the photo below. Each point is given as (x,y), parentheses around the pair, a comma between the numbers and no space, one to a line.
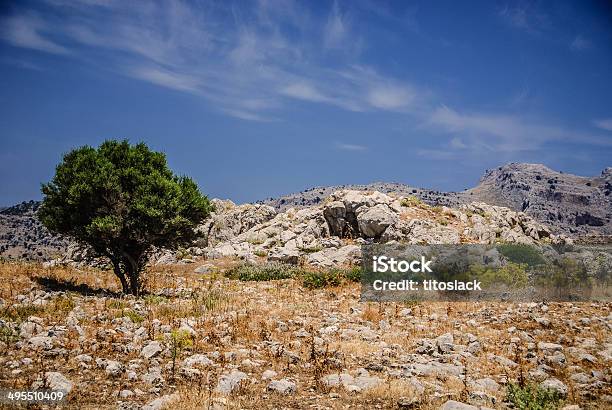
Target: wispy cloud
(351,147)
(337,30)
(253,62)
(390,98)
(604,124)
(247,62)
(27,31)
(21,64)
(505,133)
(579,43)
(524,16)
(304,91)
(166,78)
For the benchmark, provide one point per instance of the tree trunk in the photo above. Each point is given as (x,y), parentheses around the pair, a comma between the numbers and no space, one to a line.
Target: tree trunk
(119,273)
(133,274)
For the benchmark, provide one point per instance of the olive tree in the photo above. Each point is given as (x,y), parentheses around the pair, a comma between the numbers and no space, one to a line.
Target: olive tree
(122,201)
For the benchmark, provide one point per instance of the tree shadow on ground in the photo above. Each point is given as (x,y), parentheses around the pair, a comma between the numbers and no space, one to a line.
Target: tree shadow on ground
(53,284)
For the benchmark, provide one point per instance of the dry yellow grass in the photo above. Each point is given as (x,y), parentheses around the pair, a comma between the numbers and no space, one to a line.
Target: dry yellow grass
(231,315)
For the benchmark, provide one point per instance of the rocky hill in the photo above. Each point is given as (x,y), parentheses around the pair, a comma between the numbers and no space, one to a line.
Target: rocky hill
(566,204)
(570,204)
(23,236)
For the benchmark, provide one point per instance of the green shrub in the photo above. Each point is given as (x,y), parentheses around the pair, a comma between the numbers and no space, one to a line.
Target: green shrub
(521,253)
(512,275)
(268,271)
(134,317)
(353,274)
(411,201)
(532,397)
(316,280)
(312,279)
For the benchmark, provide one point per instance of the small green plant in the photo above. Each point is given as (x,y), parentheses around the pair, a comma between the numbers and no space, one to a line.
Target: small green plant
(179,340)
(532,397)
(8,336)
(260,253)
(133,316)
(182,253)
(411,201)
(19,313)
(117,304)
(155,299)
(311,249)
(353,274)
(210,299)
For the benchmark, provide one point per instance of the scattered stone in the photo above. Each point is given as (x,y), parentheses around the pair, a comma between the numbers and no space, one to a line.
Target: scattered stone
(160,402)
(229,383)
(57,381)
(113,368)
(556,385)
(268,374)
(151,350)
(455,405)
(283,386)
(197,360)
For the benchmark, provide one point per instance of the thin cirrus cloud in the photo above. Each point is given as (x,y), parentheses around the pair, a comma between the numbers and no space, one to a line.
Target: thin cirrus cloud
(27,31)
(227,58)
(351,147)
(254,62)
(525,17)
(580,43)
(604,124)
(504,133)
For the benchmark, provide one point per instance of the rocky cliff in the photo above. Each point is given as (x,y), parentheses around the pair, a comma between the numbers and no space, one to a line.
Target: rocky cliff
(569,204)
(329,234)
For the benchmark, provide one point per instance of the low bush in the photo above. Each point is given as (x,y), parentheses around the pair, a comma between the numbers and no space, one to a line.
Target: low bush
(133,316)
(411,201)
(312,279)
(532,397)
(521,253)
(332,277)
(322,279)
(268,271)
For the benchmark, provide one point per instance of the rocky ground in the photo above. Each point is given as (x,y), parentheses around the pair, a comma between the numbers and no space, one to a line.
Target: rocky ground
(206,341)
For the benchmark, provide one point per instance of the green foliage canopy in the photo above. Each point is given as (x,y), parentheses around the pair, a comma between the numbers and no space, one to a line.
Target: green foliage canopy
(123,201)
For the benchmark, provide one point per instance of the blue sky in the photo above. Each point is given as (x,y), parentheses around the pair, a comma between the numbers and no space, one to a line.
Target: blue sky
(260,98)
